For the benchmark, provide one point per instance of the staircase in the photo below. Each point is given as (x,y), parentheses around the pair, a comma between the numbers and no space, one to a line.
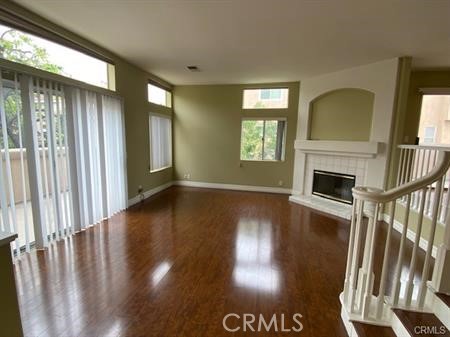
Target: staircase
(413,301)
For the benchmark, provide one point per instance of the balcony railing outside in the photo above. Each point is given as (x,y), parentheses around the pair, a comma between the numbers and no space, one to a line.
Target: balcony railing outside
(21,196)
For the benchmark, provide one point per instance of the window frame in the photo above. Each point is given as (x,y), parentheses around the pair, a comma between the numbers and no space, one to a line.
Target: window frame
(283,145)
(169,102)
(155,114)
(266,99)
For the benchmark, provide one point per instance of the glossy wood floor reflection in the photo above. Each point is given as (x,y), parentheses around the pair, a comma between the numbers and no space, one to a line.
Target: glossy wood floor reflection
(181,261)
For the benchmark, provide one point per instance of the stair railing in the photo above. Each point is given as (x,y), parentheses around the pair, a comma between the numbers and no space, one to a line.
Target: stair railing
(359,298)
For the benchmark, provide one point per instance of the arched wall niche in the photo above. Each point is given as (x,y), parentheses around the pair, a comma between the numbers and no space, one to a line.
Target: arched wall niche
(342,115)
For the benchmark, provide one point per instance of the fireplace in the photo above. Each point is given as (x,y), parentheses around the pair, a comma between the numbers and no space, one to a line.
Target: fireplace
(334,186)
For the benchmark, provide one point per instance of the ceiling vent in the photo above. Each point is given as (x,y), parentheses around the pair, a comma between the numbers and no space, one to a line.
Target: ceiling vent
(193,68)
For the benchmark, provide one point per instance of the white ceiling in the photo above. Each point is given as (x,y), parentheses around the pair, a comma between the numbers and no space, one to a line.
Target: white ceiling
(249,41)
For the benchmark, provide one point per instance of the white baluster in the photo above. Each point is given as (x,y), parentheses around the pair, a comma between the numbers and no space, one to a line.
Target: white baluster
(398,268)
(426,264)
(370,277)
(384,270)
(355,260)
(401,166)
(431,164)
(363,276)
(441,199)
(440,281)
(412,266)
(351,249)
(414,170)
(422,173)
(409,165)
(404,169)
(446,202)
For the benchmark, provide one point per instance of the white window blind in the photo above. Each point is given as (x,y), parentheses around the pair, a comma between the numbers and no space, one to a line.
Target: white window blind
(99,152)
(115,159)
(47,114)
(69,172)
(160,142)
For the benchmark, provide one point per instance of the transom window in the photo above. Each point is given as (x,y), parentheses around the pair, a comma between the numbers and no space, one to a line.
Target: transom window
(158,95)
(43,54)
(263,139)
(266,98)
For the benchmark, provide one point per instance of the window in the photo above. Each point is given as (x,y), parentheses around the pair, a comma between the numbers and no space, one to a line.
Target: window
(434,125)
(263,139)
(267,98)
(159,95)
(43,54)
(429,134)
(160,142)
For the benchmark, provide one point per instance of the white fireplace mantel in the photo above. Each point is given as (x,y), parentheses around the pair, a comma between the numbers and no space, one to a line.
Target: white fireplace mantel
(339,148)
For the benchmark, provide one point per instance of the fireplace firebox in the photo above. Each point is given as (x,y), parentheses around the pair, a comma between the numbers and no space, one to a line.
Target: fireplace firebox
(334,186)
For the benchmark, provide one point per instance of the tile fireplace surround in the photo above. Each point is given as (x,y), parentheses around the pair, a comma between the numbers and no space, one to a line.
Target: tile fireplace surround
(332,163)
(351,158)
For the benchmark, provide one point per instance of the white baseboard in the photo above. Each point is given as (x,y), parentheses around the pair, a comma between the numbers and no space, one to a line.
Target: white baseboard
(248,188)
(411,235)
(149,193)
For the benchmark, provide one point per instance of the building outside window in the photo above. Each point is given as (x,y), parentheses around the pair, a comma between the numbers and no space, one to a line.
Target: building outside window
(265,98)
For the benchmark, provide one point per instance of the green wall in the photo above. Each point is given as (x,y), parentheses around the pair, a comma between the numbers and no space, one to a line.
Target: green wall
(207,128)
(344,114)
(131,84)
(400,211)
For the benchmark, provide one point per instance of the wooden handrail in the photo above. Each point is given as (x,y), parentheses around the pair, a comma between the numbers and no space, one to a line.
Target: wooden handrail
(378,195)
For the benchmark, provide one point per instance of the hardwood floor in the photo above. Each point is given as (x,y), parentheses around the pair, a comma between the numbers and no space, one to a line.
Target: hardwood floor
(178,263)
(367,330)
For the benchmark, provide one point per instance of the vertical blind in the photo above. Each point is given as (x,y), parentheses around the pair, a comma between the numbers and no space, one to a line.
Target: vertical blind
(46,120)
(160,142)
(13,172)
(62,158)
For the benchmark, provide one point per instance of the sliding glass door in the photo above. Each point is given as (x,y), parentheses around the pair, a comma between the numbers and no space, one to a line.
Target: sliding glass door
(62,158)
